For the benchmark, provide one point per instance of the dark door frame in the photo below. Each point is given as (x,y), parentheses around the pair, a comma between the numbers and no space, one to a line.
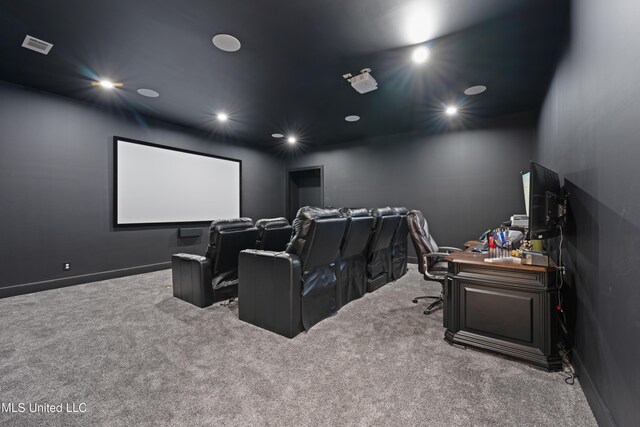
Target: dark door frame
(306,168)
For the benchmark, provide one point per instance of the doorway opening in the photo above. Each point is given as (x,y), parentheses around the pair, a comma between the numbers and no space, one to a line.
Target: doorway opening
(305,187)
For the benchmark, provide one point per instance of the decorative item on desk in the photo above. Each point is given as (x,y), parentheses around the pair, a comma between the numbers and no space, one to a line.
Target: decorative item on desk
(526,245)
(501,245)
(537,245)
(493,245)
(535,258)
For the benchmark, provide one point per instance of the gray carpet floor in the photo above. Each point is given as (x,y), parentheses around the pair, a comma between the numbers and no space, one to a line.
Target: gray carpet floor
(137,356)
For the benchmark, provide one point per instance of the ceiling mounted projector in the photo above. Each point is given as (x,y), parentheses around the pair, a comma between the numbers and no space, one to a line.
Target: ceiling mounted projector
(363,82)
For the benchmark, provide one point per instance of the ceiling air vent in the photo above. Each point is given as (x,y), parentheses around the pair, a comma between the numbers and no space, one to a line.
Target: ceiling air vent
(37,45)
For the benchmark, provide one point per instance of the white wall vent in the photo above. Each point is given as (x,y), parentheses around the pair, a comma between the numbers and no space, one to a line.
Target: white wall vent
(37,45)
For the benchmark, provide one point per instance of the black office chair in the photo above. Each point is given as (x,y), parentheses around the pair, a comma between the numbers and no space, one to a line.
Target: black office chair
(204,280)
(288,292)
(273,234)
(352,266)
(430,256)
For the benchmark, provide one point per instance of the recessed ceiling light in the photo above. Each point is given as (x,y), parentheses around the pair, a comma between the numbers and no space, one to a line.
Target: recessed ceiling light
(277,135)
(222,117)
(149,93)
(451,110)
(291,140)
(107,84)
(352,118)
(474,90)
(226,42)
(420,54)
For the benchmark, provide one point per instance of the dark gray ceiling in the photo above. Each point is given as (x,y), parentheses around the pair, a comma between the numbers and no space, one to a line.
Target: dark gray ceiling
(287,76)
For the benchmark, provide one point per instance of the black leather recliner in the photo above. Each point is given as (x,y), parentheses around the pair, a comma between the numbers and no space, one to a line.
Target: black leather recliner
(352,267)
(288,292)
(204,280)
(378,251)
(273,234)
(399,253)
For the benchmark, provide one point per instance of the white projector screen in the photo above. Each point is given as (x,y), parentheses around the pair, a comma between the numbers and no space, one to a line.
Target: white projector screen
(163,185)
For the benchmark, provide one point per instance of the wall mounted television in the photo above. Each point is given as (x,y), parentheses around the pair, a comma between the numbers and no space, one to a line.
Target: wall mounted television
(544,201)
(160,185)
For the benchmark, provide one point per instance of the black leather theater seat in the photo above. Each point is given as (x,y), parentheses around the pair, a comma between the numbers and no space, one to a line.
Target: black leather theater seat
(352,267)
(378,252)
(273,234)
(287,292)
(204,280)
(399,255)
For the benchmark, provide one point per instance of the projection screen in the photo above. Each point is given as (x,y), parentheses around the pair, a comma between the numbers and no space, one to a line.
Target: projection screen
(163,185)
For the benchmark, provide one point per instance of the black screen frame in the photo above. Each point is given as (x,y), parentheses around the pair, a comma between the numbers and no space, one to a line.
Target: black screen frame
(116,224)
(544,187)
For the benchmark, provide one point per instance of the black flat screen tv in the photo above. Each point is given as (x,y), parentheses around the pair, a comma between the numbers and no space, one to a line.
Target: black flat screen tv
(544,198)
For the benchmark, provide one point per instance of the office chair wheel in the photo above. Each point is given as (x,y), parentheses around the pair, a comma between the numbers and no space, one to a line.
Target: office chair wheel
(431,308)
(415,300)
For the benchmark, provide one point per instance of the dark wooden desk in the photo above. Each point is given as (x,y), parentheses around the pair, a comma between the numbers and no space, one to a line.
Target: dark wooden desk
(507,308)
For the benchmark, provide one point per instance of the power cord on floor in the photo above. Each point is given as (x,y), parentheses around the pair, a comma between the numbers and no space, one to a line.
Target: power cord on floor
(567,369)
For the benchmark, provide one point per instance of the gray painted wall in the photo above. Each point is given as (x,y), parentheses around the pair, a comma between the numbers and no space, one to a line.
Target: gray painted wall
(589,132)
(463,181)
(56,191)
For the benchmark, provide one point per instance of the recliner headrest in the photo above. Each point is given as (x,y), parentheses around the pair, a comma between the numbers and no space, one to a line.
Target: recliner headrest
(225,225)
(356,237)
(400,210)
(314,212)
(302,223)
(273,234)
(378,212)
(354,212)
(400,237)
(272,223)
(231,224)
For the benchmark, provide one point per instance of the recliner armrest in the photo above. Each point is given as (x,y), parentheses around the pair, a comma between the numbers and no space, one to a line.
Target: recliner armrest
(270,291)
(198,258)
(192,279)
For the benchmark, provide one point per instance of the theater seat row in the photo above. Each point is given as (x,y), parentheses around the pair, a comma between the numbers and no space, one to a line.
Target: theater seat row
(333,257)
(204,280)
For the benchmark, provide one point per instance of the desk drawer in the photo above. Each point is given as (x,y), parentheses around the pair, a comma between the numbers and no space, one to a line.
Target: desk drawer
(502,314)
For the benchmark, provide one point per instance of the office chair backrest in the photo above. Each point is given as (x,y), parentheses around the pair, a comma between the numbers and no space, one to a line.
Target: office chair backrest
(317,236)
(384,226)
(227,237)
(358,232)
(422,240)
(273,234)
